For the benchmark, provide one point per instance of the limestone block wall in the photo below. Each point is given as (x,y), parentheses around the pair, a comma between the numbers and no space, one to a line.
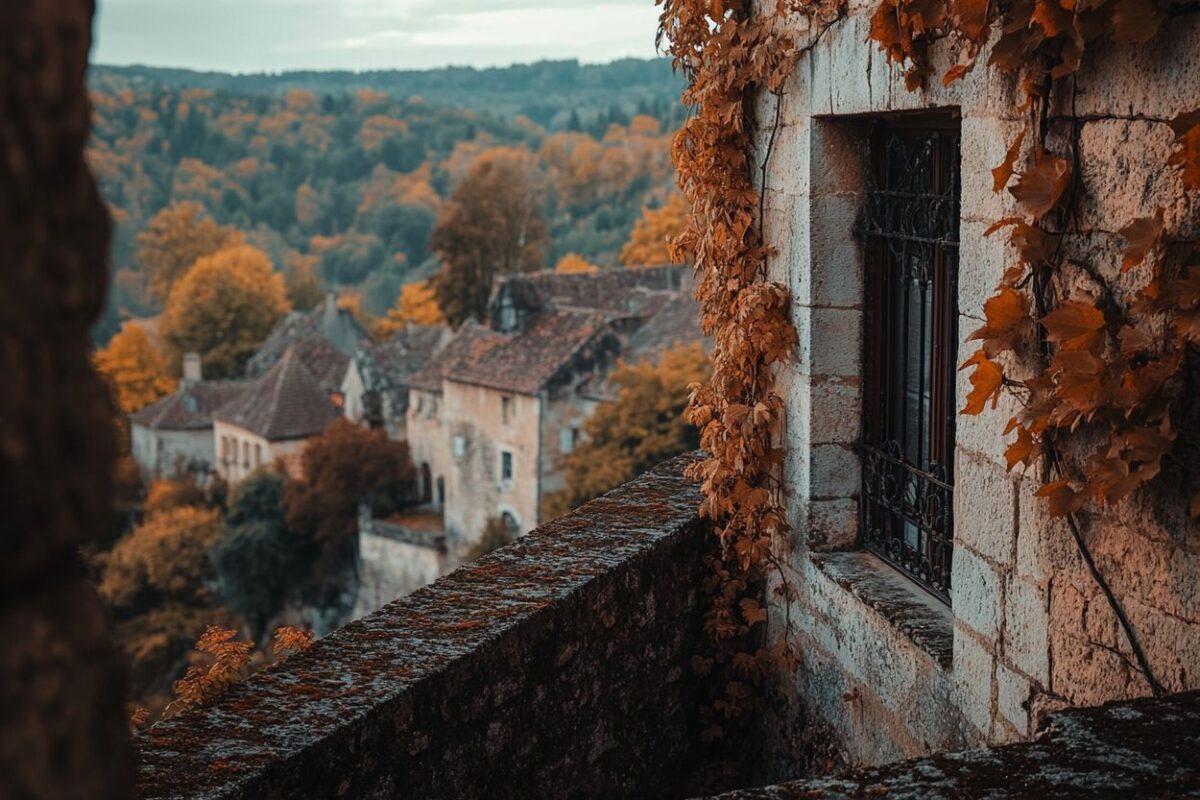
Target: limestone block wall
(554,667)
(392,564)
(475,492)
(160,453)
(1028,630)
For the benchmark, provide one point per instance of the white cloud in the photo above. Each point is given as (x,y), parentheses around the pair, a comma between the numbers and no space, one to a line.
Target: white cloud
(255,35)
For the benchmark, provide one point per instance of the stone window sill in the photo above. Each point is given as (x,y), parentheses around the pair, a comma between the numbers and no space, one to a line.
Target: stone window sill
(916,615)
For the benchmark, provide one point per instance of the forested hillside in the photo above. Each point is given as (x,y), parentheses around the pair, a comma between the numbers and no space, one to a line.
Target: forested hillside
(344,176)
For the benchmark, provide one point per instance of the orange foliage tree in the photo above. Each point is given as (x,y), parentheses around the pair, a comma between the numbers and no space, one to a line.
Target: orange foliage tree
(223,308)
(493,225)
(173,241)
(417,305)
(136,369)
(573,262)
(650,240)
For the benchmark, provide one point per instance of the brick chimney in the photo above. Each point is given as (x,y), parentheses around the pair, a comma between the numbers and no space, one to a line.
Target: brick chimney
(191,368)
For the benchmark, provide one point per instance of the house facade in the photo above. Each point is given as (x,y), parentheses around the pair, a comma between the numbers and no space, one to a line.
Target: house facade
(174,434)
(938,604)
(272,420)
(375,386)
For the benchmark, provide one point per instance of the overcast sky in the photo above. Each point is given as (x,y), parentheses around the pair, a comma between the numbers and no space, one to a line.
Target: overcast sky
(272,35)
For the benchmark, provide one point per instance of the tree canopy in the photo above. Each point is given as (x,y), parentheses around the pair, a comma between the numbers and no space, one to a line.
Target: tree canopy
(135,368)
(174,239)
(643,426)
(494,225)
(223,308)
(650,241)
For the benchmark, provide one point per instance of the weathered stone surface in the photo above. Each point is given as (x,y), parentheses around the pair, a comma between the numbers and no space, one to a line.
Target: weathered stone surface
(977,595)
(1144,748)
(984,517)
(555,667)
(63,732)
(1026,639)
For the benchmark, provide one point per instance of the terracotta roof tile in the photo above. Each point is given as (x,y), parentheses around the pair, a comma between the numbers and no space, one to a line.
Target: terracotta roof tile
(285,403)
(190,407)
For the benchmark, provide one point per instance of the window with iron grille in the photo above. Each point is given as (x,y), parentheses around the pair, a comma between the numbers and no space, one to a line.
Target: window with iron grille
(910,229)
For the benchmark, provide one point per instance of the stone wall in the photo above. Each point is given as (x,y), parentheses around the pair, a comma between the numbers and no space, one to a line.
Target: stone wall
(555,667)
(63,731)
(1140,748)
(1029,630)
(394,562)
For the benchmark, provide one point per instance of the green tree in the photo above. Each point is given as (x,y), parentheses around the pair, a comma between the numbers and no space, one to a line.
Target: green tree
(257,562)
(493,226)
(174,239)
(642,427)
(223,308)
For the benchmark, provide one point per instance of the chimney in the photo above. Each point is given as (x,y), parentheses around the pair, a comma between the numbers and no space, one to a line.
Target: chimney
(331,307)
(191,368)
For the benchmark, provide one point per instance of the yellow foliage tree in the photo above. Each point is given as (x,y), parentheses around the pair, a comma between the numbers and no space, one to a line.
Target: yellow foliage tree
(650,240)
(573,262)
(135,368)
(173,241)
(629,435)
(417,305)
(223,308)
(163,559)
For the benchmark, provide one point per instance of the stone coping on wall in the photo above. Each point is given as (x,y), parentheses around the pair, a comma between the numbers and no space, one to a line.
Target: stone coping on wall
(556,666)
(1147,748)
(924,620)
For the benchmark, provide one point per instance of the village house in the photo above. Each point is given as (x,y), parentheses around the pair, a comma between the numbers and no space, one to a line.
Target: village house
(375,386)
(272,420)
(328,321)
(174,434)
(499,406)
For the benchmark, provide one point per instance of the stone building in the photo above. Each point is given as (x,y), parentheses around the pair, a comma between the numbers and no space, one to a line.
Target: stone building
(272,419)
(174,434)
(939,604)
(328,321)
(375,386)
(497,408)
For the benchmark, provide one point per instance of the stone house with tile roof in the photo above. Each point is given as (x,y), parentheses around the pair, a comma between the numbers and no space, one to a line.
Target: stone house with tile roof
(336,326)
(174,434)
(375,383)
(272,420)
(497,407)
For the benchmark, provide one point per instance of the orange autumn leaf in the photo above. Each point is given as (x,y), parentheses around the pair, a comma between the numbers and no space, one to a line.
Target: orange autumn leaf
(986,382)
(1063,499)
(1141,236)
(1003,173)
(1023,450)
(1187,153)
(1074,325)
(1008,322)
(1040,188)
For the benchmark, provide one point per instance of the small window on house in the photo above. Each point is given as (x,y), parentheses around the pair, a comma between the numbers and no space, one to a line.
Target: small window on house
(224,449)
(246,454)
(258,455)
(506,404)
(506,466)
(460,446)
(910,227)
(568,439)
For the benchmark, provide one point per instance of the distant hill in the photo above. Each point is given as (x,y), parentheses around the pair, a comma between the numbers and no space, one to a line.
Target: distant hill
(347,172)
(545,91)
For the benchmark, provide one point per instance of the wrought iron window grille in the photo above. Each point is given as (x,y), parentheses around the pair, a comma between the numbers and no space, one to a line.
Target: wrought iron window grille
(909,227)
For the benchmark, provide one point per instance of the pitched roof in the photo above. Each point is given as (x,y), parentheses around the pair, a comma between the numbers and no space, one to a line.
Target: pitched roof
(390,364)
(285,403)
(448,354)
(190,407)
(524,362)
(614,291)
(675,322)
(336,325)
(326,364)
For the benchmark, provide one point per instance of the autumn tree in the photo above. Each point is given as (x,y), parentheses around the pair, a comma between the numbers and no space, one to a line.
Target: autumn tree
(174,239)
(343,467)
(641,427)
(304,288)
(494,225)
(257,562)
(223,308)
(417,305)
(135,368)
(163,559)
(650,240)
(573,262)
